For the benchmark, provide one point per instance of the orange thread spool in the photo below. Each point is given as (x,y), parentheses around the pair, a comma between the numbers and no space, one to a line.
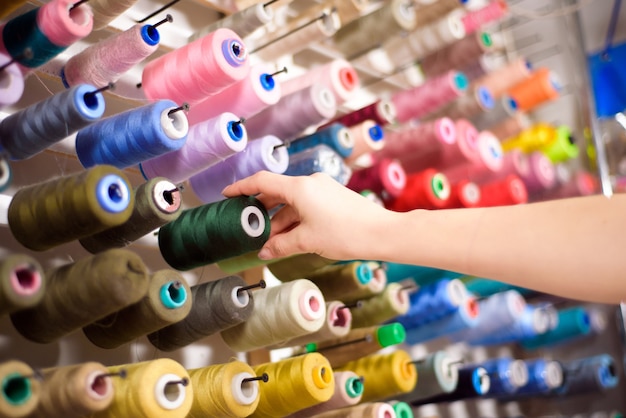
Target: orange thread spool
(541,87)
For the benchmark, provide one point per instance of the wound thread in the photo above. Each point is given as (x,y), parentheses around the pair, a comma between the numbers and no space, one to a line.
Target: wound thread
(19,392)
(22,283)
(381,308)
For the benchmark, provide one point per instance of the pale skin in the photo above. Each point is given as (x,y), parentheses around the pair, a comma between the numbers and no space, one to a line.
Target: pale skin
(570,247)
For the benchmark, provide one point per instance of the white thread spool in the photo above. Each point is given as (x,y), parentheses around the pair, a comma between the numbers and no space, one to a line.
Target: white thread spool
(105,11)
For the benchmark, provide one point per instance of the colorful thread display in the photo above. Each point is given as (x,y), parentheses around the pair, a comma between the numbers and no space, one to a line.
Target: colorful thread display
(22,283)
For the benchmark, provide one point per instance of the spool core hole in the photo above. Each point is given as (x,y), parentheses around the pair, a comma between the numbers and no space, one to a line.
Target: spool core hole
(172,392)
(26,278)
(237,49)
(611,371)
(16,389)
(79,16)
(99,386)
(236,130)
(387,414)
(248,388)
(91,100)
(175,292)
(115,193)
(314,303)
(254,221)
(341,318)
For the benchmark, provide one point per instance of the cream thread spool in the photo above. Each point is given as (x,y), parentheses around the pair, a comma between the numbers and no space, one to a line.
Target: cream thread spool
(20,391)
(22,282)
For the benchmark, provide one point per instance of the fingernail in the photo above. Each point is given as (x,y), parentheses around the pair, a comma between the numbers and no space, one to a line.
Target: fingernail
(265,254)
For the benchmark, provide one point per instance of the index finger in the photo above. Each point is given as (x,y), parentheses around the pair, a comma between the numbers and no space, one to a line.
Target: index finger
(271,185)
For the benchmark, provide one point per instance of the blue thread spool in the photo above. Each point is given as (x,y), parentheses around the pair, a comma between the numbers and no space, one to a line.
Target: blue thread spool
(134,136)
(590,374)
(507,376)
(319,159)
(336,136)
(421,275)
(573,323)
(30,131)
(466,317)
(486,287)
(544,376)
(473,383)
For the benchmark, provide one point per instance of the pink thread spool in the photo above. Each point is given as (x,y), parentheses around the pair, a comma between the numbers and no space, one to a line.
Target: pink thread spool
(487,164)
(510,190)
(476,101)
(383,112)
(338,75)
(207,144)
(511,126)
(386,178)
(108,60)
(515,162)
(474,20)
(197,70)
(294,113)
(430,96)
(541,176)
(368,137)
(463,194)
(64,25)
(500,80)
(247,97)
(421,145)
(11,82)
(460,54)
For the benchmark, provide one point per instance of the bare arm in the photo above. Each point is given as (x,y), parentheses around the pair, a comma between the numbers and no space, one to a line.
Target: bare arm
(573,247)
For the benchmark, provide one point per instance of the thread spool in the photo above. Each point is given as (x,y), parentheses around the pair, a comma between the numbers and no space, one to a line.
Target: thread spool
(511,126)
(473,382)
(266,153)
(108,60)
(506,376)
(420,275)
(368,137)
(544,85)
(74,391)
(387,375)
(563,148)
(378,309)
(9,7)
(345,282)
(544,377)
(105,11)
(294,113)
(348,391)
(386,178)
(402,409)
(435,93)
(359,343)
(542,173)
(501,80)
(207,144)
(339,76)
(509,191)
(337,324)
(475,102)
(244,22)
(11,81)
(257,91)
(366,410)
(475,19)
(115,279)
(487,164)
(437,375)
(573,323)
(465,318)
(486,287)
(22,285)
(31,130)
(463,194)
(420,145)
(391,19)
(503,109)
(157,388)
(46,31)
(427,189)
(298,39)
(197,70)
(456,55)
(280,314)
(590,374)
(431,10)
(20,392)
(157,202)
(213,232)
(535,138)
(134,136)
(216,306)
(319,159)
(227,391)
(45,215)
(383,112)
(379,279)
(336,136)
(298,266)
(167,301)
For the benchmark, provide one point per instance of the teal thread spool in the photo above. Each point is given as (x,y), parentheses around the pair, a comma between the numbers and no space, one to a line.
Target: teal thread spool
(486,287)
(421,275)
(214,232)
(573,323)
(402,409)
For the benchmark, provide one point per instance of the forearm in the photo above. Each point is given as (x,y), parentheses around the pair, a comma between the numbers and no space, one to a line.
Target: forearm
(573,248)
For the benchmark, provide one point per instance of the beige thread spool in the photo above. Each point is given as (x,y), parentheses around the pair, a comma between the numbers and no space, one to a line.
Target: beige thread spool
(20,391)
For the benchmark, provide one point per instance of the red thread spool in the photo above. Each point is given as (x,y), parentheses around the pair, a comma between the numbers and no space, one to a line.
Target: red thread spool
(464,194)
(544,85)
(428,189)
(508,191)
(386,178)
(487,164)
(383,112)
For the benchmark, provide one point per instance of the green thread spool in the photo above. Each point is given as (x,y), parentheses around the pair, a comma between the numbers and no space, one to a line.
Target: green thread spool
(157,202)
(167,302)
(298,266)
(563,147)
(243,262)
(45,215)
(214,232)
(19,392)
(437,375)
(378,309)
(216,306)
(83,292)
(344,282)
(22,283)
(402,409)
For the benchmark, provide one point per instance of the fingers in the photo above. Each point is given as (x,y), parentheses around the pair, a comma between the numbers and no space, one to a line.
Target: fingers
(281,245)
(284,220)
(272,186)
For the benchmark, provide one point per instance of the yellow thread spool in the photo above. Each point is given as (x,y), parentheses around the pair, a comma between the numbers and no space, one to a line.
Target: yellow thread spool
(221,391)
(19,392)
(74,391)
(381,308)
(149,390)
(532,139)
(294,384)
(386,375)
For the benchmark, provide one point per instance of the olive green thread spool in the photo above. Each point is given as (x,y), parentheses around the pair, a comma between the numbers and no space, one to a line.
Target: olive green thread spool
(45,215)
(22,283)
(213,232)
(167,302)
(19,389)
(157,202)
(378,309)
(344,282)
(83,292)
(298,266)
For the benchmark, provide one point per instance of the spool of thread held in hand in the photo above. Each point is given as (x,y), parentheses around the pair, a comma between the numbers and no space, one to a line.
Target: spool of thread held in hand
(22,283)
(20,392)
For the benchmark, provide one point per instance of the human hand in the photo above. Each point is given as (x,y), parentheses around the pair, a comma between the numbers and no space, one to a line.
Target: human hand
(319,216)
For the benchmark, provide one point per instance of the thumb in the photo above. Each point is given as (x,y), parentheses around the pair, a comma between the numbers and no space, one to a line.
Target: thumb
(280,245)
